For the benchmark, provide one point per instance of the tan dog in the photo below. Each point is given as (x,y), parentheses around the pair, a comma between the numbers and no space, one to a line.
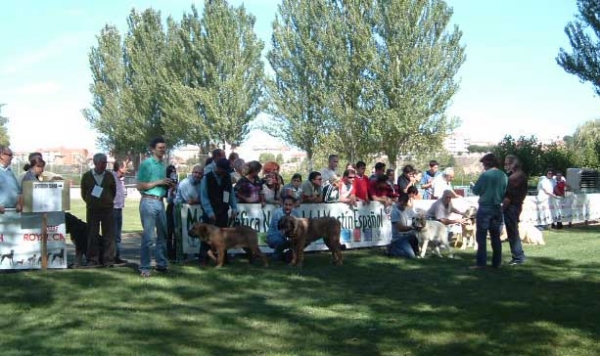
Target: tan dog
(431,231)
(528,233)
(301,232)
(222,239)
(469,228)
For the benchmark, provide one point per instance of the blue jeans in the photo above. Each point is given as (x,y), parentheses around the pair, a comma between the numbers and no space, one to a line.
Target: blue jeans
(278,243)
(154,218)
(118,222)
(489,219)
(402,247)
(511,222)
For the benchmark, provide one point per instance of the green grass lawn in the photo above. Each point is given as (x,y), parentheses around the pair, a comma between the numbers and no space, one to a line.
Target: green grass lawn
(131,213)
(372,305)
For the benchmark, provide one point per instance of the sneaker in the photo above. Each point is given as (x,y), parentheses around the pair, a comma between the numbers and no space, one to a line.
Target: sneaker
(145,274)
(515,262)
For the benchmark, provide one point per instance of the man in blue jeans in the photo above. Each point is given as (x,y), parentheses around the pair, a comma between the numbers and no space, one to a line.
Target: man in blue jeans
(153,185)
(275,238)
(404,238)
(491,188)
(512,205)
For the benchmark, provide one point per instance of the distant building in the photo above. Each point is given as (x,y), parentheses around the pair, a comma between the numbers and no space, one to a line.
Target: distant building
(457,143)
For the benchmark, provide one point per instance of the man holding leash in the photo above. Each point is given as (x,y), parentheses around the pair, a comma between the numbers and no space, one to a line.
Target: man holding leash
(491,188)
(275,238)
(512,205)
(217,197)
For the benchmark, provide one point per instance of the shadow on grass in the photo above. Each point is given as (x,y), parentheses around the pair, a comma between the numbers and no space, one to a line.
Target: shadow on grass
(373,305)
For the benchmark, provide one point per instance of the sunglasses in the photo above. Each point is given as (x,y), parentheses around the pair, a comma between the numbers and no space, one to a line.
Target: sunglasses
(350,177)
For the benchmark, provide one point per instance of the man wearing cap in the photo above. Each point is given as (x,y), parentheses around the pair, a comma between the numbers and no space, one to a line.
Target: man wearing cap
(216,197)
(152,184)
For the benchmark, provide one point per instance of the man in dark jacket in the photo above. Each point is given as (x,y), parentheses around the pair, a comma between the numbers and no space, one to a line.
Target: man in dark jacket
(98,190)
(516,191)
(217,197)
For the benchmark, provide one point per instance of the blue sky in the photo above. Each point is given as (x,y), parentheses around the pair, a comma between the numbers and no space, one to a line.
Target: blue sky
(510,83)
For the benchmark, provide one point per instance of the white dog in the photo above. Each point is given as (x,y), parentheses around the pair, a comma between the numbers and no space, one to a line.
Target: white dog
(529,234)
(431,230)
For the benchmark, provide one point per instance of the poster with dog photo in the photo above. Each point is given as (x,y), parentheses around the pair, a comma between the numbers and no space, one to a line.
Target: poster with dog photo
(20,241)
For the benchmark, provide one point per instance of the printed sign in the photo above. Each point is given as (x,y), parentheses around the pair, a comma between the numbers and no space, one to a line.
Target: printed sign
(21,241)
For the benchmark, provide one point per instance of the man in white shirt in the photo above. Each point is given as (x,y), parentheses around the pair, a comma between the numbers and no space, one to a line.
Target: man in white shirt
(404,239)
(328,173)
(442,183)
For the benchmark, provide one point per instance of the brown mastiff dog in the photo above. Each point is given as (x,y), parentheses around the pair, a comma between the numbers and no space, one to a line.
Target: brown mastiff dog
(222,239)
(301,232)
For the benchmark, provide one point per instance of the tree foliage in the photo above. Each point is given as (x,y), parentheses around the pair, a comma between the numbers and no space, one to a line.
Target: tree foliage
(586,144)
(356,78)
(4,138)
(584,34)
(479,149)
(198,82)
(419,59)
(528,149)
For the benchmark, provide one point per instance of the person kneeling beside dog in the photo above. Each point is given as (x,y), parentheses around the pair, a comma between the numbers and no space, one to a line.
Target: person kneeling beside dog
(404,239)
(275,238)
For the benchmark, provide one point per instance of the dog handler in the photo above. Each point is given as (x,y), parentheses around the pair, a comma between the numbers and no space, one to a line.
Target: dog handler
(404,238)
(491,187)
(275,238)
(512,205)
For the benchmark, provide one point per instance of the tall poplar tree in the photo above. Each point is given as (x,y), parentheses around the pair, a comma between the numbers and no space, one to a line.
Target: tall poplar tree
(221,81)
(144,57)
(232,71)
(301,89)
(108,115)
(356,97)
(364,77)
(419,59)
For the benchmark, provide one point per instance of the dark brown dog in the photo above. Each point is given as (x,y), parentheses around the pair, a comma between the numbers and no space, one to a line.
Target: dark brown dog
(301,232)
(77,228)
(222,239)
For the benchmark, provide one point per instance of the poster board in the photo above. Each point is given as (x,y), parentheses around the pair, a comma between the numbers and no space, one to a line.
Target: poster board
(39,197)
(20,241)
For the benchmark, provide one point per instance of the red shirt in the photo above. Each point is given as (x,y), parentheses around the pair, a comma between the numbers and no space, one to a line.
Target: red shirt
(381,190)
(361,187)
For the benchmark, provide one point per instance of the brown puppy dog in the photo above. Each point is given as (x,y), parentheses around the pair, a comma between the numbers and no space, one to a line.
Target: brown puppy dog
(301,232)
(222,239)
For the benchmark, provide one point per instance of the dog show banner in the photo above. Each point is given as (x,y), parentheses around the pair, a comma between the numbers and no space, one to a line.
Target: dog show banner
(21,237)
(369,225)
(363,226)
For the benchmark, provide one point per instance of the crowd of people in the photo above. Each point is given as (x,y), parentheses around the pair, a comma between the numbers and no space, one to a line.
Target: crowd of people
(221,183)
